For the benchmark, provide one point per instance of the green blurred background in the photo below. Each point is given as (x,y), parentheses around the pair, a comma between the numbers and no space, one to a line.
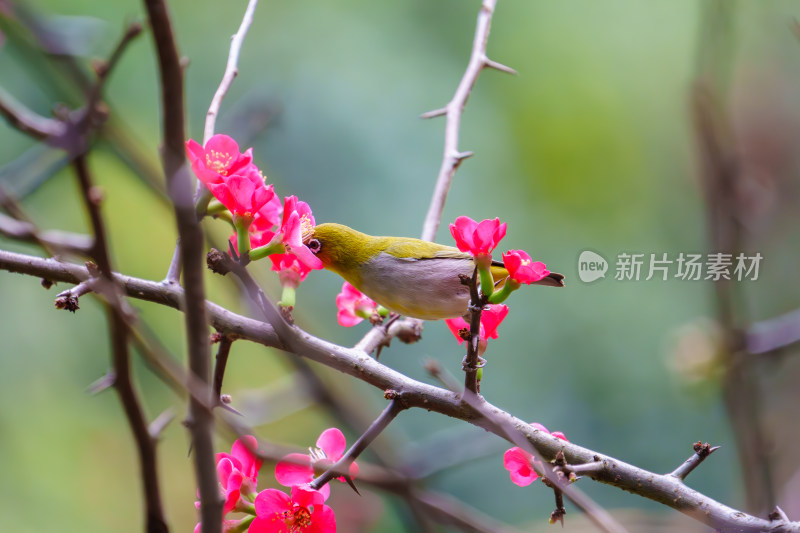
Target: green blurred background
(591,146)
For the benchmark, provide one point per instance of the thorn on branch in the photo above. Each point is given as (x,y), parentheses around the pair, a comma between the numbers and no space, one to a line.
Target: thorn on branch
(488,63)
(460,156)
(778,515)
(157,426)
(103,383)
(435,113)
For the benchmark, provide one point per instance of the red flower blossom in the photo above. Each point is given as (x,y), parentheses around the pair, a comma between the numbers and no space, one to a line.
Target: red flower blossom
(519,463)
(479,239)
(299,468)
(491,317)
(218,159)
(303,512)
(522,269)
(353,306)
(298,222)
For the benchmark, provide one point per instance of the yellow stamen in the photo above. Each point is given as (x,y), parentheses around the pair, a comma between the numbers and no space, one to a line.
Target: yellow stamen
(218,162)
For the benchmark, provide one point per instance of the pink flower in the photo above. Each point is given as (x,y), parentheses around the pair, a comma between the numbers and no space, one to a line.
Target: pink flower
(522,269)
(353,306)
(218,159)
(303,512)
(519,463)
(298,222)
(230,480)
(244,465)
(479,239)
(299,468)
(290,270)
(491,317)
(237,473)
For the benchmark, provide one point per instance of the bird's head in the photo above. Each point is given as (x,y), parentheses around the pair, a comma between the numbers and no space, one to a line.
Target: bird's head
(341,249)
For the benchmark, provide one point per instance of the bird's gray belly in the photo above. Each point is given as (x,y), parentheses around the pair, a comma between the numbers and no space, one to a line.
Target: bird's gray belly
(429,289)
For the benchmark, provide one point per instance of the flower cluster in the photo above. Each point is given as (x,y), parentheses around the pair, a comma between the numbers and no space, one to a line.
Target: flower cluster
(354,306)
(479,239)
(272,510)
(264,225)
(521,464)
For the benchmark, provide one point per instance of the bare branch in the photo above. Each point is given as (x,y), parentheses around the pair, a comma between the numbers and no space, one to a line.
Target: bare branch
(452,156)
(27,121)
(179,185)
(773,334)
(223,351)
(701,451)
(231,70)
(50,240)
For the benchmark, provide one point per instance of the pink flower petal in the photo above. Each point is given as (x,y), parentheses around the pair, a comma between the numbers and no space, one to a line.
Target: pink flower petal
(456,325)
(333,443)
(347,318)
(305,496)
(491,318)
(250,464)
(271,501)
(518,464)
(322,520)
(242,190)
(294,469)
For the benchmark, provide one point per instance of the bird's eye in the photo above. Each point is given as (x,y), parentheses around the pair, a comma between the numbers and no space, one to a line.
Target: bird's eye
(314,245)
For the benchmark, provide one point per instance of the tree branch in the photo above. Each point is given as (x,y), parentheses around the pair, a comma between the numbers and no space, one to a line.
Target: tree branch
(662,488)
(179,183)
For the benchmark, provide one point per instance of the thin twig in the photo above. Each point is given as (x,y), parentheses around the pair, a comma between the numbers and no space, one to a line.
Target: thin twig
(452,157)
(54,241)
(26,121)
(773,334)
(223,351)
(341,467)
(123,383)
(701,451)
(231,70)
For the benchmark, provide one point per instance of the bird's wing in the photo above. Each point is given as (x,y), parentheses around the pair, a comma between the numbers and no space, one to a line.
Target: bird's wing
(414,249)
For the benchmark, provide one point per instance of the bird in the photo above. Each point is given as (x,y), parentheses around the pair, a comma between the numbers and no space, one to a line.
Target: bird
(411,277)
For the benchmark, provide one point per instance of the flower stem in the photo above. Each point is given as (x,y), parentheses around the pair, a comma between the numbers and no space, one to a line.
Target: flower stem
(487,282)
(242,225)
(508,287)
(268,249)
(288,296)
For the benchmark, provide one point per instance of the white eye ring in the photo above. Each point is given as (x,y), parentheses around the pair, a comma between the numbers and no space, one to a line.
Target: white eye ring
(314,245)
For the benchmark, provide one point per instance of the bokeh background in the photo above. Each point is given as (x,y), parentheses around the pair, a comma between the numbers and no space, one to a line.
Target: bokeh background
(592,146)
